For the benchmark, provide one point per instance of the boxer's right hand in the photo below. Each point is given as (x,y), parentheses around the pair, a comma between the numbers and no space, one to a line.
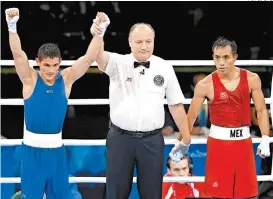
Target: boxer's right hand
(204,131)
(179,150)
(12,16)
(176,156)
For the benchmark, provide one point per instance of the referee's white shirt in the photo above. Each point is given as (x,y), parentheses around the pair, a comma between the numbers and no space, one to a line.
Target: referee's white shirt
(137,99)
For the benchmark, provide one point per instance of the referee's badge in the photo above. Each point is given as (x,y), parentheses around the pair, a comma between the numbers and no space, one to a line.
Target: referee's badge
(158,80)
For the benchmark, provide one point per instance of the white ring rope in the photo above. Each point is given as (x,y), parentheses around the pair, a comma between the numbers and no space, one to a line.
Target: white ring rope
(102,142)
(103,179)
(16,101)
(7,142)
(172,62)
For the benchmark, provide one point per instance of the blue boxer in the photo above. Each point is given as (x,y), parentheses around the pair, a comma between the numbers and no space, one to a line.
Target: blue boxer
(44,165)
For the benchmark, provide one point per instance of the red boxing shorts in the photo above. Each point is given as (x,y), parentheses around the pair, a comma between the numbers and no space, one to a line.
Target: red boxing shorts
(230,163)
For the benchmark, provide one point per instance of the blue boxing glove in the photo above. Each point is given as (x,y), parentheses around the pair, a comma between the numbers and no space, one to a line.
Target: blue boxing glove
(179,150)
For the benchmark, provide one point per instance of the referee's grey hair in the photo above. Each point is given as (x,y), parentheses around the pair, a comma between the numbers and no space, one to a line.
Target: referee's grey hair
(140,24)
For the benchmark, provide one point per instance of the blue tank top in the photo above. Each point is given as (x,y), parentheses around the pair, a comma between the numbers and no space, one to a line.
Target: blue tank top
(45,109)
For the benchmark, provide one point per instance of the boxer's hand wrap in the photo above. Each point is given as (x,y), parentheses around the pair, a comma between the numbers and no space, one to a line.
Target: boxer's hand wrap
(103,25)
(179,150)
(12,21)
(204,131)
(264,146)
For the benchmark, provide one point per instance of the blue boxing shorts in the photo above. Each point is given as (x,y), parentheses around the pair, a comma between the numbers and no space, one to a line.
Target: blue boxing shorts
(44,170)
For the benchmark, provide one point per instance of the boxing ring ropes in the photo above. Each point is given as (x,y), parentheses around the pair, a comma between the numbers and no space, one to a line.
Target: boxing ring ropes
(19,102)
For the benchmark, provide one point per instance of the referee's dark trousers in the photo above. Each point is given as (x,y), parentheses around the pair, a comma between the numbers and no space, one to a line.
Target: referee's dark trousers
(123,150)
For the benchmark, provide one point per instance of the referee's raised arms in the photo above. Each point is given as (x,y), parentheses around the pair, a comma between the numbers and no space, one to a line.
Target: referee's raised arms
(102,59)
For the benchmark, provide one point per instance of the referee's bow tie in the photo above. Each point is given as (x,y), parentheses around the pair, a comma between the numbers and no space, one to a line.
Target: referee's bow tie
(145,64)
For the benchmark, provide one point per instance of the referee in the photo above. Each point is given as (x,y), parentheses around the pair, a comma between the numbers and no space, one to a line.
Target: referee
(139,83)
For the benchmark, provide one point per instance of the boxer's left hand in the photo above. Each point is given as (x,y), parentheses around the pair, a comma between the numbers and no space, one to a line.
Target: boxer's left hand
(263,149)
(100,24)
